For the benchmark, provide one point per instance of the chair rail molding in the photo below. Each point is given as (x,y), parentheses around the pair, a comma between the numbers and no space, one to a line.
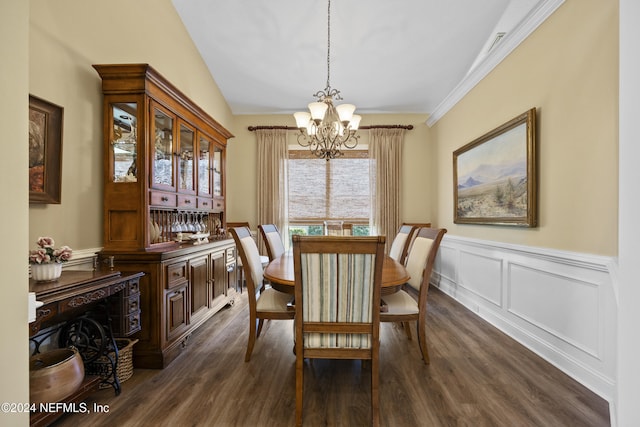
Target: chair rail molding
(561,305)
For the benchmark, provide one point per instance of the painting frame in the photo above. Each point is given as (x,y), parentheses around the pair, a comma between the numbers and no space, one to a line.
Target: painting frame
(504,190)
(45,151)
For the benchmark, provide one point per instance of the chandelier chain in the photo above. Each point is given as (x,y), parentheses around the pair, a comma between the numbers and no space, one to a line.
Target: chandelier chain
(328,42)
(328,129)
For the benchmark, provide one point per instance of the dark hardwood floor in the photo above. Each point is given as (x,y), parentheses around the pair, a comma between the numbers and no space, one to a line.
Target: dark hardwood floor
(477,377)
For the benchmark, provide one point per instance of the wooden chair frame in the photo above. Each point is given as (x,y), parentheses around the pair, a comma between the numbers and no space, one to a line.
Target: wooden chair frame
(409,230)
(239,265)
(338,245)
(421,297)
(264,230)
(256,317)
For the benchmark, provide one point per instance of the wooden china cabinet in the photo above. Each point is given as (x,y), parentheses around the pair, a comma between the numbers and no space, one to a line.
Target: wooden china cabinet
(164,203)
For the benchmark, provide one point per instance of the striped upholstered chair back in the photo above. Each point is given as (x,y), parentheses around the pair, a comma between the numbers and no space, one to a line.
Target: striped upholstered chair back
(337,299)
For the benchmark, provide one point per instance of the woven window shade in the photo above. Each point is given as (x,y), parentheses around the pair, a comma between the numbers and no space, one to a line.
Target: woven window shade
(329,190)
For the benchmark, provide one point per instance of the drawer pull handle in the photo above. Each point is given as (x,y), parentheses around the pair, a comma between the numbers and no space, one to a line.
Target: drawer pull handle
(187,201)
(164,198)
(205,203)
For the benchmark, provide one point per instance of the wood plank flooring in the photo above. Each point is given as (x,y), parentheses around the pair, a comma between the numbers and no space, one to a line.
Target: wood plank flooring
(477,377)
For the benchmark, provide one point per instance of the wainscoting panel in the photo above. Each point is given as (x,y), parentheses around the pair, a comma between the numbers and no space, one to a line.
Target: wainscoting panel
(482,276)
(559,304)
(564,306)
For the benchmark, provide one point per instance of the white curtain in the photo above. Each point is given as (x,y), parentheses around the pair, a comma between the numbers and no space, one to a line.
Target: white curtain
(272,180)
(385,151)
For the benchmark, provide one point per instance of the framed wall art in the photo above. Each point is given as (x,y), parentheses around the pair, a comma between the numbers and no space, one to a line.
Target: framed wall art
(495,177)
(45,151)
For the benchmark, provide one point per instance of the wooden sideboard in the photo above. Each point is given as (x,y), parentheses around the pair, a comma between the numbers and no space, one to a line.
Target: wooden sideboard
(181,289)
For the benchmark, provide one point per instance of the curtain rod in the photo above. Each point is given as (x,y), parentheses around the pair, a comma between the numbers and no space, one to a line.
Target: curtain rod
(408,127)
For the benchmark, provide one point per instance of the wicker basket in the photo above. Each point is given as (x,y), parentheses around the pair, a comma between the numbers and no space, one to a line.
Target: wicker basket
(124,370)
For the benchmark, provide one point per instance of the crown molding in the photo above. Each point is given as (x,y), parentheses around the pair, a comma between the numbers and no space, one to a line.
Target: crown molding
(537,16)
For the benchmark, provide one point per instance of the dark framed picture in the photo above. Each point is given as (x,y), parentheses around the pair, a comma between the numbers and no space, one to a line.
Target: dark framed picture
(495,176)
(45,151)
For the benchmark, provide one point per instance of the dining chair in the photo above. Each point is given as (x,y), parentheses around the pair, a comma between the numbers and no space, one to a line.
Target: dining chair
(240,267)
(337,305)
(400,244)
(272,240)
(238,224)
(347,229)
(333,228)
(264,303)
(410,302)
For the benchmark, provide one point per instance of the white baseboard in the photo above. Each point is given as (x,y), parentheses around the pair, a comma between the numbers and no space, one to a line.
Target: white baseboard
(561,305)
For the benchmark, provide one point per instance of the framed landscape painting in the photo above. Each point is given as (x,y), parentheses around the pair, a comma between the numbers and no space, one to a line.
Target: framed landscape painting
(45,151)
(495,178)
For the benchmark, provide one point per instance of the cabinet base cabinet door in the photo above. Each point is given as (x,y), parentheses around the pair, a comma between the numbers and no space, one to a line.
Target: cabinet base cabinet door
(199,280)
(176,311)
(219,275)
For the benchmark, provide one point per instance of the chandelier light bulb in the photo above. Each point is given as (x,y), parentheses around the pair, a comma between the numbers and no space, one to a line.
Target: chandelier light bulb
(345,112)
(317,110)
(355,122)
(302,119)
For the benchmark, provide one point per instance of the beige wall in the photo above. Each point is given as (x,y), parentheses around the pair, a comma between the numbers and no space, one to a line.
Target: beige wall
(66,38)
(14,356)
(570,76)
(418,190)
(568,70)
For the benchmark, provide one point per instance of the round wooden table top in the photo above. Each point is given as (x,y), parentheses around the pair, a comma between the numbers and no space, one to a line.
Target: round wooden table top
(280,273)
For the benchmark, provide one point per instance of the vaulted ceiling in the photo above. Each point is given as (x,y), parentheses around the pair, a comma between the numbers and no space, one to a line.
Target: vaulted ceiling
(408,56)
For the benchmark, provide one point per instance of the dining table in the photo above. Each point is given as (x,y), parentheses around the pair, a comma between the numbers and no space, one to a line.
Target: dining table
(279,272)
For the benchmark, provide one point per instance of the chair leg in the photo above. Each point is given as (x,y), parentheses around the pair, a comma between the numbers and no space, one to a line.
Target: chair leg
(299,388)
(422,340)
(252,339)
(407,328)
(375,394)
(260,322)
(240,279)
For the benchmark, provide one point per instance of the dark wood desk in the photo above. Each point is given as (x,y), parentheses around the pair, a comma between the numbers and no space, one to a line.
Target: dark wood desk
(76,289)
(72,294)
(280,273)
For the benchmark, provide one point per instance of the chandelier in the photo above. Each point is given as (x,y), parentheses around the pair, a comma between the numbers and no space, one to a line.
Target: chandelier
(326,128)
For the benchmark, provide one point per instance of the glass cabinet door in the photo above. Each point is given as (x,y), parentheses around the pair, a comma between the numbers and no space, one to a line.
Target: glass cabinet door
(185,159)
(217,172)
(124,140)
(162,153)
(204,166)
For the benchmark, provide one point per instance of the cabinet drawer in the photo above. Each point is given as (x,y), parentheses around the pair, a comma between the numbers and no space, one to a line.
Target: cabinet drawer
(131,305)
(218,205)
(127,325)
(186,201)
(176,274)
(157,198)
(205,204)
(132,288)
(123,306)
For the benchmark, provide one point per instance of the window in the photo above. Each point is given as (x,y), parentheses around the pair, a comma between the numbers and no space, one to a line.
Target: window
(321,190)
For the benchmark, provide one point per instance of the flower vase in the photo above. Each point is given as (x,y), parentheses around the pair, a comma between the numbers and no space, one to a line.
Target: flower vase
(46,272)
